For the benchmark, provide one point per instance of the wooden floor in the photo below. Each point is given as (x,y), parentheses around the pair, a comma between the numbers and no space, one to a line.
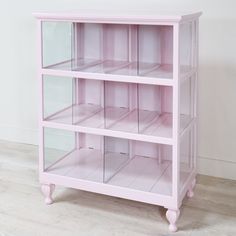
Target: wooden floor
(211,212)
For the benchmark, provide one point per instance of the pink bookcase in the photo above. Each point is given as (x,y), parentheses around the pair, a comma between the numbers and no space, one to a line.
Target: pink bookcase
(118,105)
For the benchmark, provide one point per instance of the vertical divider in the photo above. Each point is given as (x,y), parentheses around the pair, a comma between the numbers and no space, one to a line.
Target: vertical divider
(163,46)
(193,66)
(193,44)
(107,42)
(133,43)
(104,55)
(196,92)
(133,100)
(40,101)
(101,35)
(80,98)
(132,58)
(162,97)
(192,148)
(160,153)
(75,50)
(103,97)
(176,122)
(80,38)
(73,45)
(103,158)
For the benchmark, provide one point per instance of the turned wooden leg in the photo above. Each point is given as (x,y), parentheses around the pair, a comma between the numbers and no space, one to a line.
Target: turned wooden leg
(190,192)
(47,190)
(172,216)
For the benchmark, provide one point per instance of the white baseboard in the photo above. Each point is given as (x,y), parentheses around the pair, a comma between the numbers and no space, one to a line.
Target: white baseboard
(217,168)
(206,165)
(19,135)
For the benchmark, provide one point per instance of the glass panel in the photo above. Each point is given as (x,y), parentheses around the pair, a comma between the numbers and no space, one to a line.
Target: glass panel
(57,145)
(87,47)
(116,155)
(186,102)
(57,99)
(75,155)
(121,106)
(149,105)
(186,156)
(105,45)
(155,110)
(155,51)
(138,165)
(109,48)
(187,31)
(128,107)
(88,103)
(57,43)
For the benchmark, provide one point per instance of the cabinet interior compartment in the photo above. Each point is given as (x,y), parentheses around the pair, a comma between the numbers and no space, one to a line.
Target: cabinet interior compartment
(124,49)
(187,157)
(128,107)
(57,99)
(87,47)
(187,101)
(187,47)
(144,50)
(155,51)
(114,161)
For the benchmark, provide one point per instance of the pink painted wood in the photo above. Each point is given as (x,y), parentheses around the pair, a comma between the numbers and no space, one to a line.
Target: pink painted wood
(131,121)
(47,190)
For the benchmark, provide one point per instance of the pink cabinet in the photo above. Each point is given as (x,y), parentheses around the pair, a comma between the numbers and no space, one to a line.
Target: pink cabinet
(118,112)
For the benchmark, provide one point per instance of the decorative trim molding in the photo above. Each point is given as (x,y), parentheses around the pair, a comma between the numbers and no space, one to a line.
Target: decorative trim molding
(19,134)
(217,168)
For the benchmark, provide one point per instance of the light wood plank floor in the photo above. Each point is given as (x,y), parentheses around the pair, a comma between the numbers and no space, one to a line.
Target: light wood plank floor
(211,212)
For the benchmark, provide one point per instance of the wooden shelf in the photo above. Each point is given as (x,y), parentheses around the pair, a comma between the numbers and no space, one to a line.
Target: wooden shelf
(139,173)
(89,68)
(144,122)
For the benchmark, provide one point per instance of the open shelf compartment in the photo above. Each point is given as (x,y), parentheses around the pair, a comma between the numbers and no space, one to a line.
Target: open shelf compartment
(107,160)
(136,50)
(119,162)
(127,107)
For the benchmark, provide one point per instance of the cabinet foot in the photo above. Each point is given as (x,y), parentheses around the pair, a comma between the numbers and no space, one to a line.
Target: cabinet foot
(172,216)
(47,190)
(190,192)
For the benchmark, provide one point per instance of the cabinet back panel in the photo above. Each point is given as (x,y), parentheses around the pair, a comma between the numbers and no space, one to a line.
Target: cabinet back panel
(89,42)
(145,149)
(93,92)
(93,141)
(152,150)
(167,45)
(166,99)
(116,94)
(186,40)
(149,38)
(56,42)
(115,43)
(149,97)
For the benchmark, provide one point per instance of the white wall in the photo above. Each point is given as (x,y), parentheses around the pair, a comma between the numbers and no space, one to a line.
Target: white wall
(217,88)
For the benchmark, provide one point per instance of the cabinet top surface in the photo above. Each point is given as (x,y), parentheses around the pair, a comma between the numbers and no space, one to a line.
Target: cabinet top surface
(106,16)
